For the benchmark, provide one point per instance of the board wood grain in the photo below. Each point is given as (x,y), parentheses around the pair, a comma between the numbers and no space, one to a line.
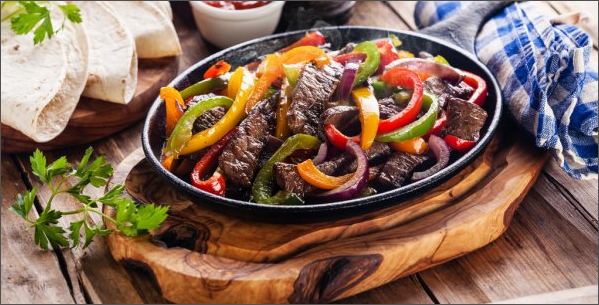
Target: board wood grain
(329,261)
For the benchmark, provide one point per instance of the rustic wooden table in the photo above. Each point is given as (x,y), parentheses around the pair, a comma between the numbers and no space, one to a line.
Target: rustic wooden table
(549,253)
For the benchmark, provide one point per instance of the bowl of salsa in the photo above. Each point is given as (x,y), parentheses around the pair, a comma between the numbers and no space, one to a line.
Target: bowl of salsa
(227,23)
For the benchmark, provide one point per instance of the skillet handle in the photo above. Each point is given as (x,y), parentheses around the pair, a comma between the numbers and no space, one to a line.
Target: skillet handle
(462,29)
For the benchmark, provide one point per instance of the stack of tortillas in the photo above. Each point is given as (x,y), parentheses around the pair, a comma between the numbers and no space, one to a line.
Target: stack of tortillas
(42,84)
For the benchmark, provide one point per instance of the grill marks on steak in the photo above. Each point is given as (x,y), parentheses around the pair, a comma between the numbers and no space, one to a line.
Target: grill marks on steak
(342,117)
(388,108)
(464,119)
(314,88)
(289,179)
(240,157)
(208,118)
(398,168)
(444,90)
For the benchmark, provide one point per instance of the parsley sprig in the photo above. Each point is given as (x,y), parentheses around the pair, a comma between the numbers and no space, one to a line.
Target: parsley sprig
(27,16)
(131,219)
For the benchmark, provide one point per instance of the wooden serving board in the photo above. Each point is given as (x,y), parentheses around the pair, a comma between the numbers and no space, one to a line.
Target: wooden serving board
(200,256)
(94,119)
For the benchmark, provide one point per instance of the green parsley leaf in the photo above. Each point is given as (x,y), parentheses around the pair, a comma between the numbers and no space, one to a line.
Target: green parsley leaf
(24,203)
(35,16)
(131,219)
(57,167)
(113,195)
(71,11)
(38,165)
(75,228)
(47,231)
(90,232)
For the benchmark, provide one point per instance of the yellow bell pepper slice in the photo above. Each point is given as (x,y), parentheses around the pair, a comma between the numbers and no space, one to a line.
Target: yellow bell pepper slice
(233,116)
(369,115)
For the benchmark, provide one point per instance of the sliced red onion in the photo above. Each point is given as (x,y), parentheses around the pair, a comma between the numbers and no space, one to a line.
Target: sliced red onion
(425,66)
(353,186)
(321,156)
(346,83)
(347,57)
(441,151)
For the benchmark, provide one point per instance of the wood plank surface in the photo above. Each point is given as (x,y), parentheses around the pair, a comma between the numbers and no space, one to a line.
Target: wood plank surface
(29,275)
(582,295)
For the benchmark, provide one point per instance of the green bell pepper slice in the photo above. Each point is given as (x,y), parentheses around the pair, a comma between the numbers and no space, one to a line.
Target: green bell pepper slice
(182,131)
(264,183)
(419,127)
(371,64)
(206,86)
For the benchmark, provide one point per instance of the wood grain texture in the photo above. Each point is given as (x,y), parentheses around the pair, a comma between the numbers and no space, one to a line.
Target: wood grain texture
(324,269)
(581,295)
(95,119)
(29,275)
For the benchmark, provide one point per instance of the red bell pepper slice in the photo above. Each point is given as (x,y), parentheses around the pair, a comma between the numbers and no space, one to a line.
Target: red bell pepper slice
(311,39)
(338,139)
(388,53)
(216,183)
(458,144)
(219,68)
(439,125)
(479,96)
(408,79)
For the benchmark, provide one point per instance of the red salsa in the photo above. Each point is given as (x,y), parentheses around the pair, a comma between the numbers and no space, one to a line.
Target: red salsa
(237,5)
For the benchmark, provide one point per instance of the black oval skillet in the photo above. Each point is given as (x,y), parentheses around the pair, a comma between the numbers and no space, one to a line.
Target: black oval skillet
(153,133)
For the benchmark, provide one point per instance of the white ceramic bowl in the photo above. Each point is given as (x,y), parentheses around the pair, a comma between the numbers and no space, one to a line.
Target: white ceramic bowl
(225,28)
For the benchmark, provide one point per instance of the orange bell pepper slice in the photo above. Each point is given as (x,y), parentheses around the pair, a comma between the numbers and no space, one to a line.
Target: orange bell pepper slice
(305,54)
(272,70)
(416,146)
(282,130)
(309,172)
(174,107)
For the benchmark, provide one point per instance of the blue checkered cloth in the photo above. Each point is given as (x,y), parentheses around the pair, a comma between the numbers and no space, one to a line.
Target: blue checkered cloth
(544,70)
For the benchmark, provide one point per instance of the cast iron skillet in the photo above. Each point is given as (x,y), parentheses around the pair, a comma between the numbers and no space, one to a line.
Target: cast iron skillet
(153,133)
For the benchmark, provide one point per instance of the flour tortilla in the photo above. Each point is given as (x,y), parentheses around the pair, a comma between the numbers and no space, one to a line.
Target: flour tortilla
(152,29)
(41,84)
(164,7)
(112,73)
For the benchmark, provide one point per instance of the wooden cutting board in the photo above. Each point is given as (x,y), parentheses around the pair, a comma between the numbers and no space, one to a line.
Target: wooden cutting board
(95,119)
(200,256)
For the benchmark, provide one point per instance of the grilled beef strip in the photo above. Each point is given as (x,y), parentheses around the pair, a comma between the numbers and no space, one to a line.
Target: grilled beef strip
(240,157)
(289,179)
(342,117)
(314,88)
(464,119)
(398,168)
(208,118)
(444,90)
(388,108)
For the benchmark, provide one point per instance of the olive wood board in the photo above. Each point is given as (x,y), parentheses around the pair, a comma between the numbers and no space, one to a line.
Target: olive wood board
(201,256)
(94,119)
